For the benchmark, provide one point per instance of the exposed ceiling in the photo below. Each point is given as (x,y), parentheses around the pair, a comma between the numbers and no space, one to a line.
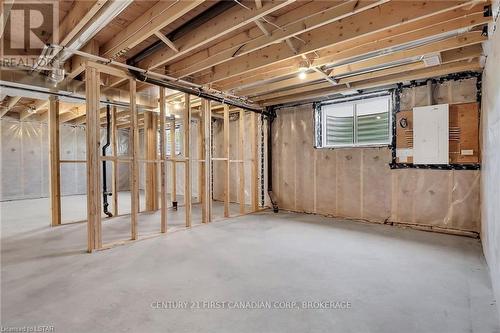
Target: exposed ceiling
(273,52)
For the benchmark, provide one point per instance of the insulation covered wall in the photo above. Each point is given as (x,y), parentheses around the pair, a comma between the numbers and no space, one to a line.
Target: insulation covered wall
(490,177)
(25,164)
(358,183)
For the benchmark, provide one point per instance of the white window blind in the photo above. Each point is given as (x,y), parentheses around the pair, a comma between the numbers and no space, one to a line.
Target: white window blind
(362,122)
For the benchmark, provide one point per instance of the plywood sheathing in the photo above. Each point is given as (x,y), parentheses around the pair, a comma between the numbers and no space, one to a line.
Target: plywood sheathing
(358,183)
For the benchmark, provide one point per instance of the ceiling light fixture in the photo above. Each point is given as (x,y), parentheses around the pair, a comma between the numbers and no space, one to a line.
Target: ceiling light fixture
(303,68)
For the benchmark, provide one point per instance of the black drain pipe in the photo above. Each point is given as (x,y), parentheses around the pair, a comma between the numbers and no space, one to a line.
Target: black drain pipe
(274,200)
(105,192)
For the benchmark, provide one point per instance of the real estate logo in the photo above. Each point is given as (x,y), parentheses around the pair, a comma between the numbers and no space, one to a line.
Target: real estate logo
(26,27)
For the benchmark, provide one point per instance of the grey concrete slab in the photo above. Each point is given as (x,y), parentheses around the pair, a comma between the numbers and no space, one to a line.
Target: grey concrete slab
(390,279)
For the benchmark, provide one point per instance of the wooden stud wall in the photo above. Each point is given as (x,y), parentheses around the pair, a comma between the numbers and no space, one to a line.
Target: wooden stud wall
(156,171)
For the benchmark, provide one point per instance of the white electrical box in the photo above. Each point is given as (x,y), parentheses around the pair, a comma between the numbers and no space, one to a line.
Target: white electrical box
(431,134)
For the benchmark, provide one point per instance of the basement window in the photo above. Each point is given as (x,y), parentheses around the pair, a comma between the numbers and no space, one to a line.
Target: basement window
(361,121)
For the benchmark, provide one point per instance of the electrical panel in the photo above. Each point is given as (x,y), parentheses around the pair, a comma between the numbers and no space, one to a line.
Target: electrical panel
(463,135)
(430,134)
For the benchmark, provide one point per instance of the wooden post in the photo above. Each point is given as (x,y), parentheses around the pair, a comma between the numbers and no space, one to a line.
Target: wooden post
(226,155)
(201,154)
(241,158)
(54,161)
(254,159)
(206,165)
(92,91)
(114,165)
(174,166)
(150,139)
(134,163)
(187,155)
(163,181)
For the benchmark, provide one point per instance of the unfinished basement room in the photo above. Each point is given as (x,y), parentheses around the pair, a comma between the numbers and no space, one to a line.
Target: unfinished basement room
(243,166)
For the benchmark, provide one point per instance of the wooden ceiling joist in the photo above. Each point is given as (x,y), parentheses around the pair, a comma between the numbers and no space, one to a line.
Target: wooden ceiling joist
(418,74)
(233,19)
(428,27)
(364,76)
(81,13)
(467,39)
(283,32)
(157,17)
(443,23)
(386,16)
(10,104)
(72,113)
(34,109)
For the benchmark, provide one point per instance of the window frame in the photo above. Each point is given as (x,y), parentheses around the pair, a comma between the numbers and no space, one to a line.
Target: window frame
(320,123)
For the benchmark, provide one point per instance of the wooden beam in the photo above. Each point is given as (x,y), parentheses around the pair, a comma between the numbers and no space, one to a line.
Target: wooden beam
(260,75)
(33,109)
(134,165)
(290,27)
(187,165)
(206,167)
(78,62)
(420,29)
(470,38)
(92,91)
(254,159)
(434,25)
(80,14)
(173,156)
(114,165)
(54,162)
(261,26)
(227,177)
(466,52)
(151,141)
(424,73)
(167,41)
(163,164)
(72,113)
(160,15)
(233,19)
(10,104)
(387,16)
(241,157)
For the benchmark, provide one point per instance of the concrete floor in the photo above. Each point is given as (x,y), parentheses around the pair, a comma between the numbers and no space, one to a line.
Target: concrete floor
(395,280)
